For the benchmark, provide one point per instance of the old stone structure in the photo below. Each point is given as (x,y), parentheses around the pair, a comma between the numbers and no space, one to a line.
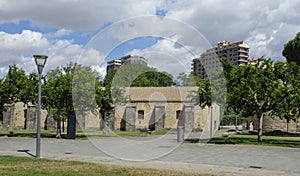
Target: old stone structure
(21,116)
(153,108)
(275,123)
(157,108)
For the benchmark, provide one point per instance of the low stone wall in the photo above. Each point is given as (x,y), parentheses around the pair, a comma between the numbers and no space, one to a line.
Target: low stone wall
(271,124)
(22,116)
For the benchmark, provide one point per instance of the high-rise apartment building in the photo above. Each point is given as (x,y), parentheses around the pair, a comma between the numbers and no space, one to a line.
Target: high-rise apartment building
(129,59)
(236,53)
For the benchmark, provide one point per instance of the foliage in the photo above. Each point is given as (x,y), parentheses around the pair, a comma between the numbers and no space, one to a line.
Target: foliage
(287,96)
(212,89)
(137,75)
(230,117)
(291,50)
(251,90)
(86,82)
(57,92)
(103,94)
(153,78)
(184,79)
(15,87)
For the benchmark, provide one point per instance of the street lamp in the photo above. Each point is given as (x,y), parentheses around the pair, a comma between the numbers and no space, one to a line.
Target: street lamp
(40,61)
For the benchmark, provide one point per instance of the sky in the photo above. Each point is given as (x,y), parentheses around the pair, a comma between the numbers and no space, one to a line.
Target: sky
(168,33)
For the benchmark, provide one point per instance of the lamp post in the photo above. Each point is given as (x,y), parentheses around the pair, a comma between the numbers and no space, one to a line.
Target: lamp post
(40,61)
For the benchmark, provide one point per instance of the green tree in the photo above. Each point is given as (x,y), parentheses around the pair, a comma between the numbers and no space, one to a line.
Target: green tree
(86,83)
(291,50)
(190,79)
(103,95)
(14,85)
(2,99)
(57,96)
(287,94)
(231,117)
(251,90)
(31,89)
(153,78)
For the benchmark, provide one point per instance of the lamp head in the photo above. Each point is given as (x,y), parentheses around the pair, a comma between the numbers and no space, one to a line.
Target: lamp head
(40,61)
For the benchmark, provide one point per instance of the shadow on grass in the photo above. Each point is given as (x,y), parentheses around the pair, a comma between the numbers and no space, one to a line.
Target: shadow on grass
(277,133)
(273,138)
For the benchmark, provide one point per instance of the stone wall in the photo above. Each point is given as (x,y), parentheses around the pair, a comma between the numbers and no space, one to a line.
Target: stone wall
(22,116)
(8,116)
(159,116)
(271,124)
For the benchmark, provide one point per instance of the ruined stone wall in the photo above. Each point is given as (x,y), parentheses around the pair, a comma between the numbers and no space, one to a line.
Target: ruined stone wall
(22,116)
(271,124)
(93,121)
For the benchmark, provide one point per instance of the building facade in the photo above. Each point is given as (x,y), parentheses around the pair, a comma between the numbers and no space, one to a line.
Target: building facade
(158,108)
(126,60)
(236,53)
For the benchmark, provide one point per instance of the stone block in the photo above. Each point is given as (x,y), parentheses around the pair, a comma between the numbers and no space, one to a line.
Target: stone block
(130,117)
(159,115)
(8,116)
(31,117)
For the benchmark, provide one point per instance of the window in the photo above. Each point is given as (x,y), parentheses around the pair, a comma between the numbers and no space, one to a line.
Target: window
(178,114)
(140,114)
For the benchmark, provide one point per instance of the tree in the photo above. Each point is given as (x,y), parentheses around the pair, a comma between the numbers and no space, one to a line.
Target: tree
(251,90)
(86,83)
(31,89)
(57,96)
(287,95)
(190,79)
(2,99)
(231,117)
(137,75)
(212,90)
(153,78)
(14,85)
(13,88)
(291,50)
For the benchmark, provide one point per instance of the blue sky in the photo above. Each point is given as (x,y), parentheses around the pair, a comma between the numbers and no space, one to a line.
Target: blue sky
(65,30)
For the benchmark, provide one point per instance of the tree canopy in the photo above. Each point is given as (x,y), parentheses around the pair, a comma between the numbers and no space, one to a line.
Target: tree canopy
(291,50)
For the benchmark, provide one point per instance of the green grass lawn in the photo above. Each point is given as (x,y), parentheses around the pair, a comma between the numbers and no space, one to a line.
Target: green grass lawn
(274,138)
(23,166)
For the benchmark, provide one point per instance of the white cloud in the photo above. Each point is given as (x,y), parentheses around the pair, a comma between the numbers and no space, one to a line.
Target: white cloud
(19,48)
(58,33)
(21,43)
(236,20)
(166,56)
(74,15)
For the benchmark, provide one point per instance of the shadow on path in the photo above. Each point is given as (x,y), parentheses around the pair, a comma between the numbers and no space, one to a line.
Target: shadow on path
(27,152)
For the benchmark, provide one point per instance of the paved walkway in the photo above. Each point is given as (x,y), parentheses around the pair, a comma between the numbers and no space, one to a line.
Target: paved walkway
(164,153)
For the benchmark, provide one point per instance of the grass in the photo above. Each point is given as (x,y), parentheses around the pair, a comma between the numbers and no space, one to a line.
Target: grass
(79,134)
(23,166)
(274,138)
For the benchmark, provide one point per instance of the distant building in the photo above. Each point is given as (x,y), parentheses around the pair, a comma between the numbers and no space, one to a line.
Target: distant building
(114,64)
(129,59)
(236,53)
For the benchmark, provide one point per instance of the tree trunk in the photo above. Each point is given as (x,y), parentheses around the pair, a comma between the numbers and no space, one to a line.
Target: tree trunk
(58,129)
(63,126)
(260,126)
(287,125)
